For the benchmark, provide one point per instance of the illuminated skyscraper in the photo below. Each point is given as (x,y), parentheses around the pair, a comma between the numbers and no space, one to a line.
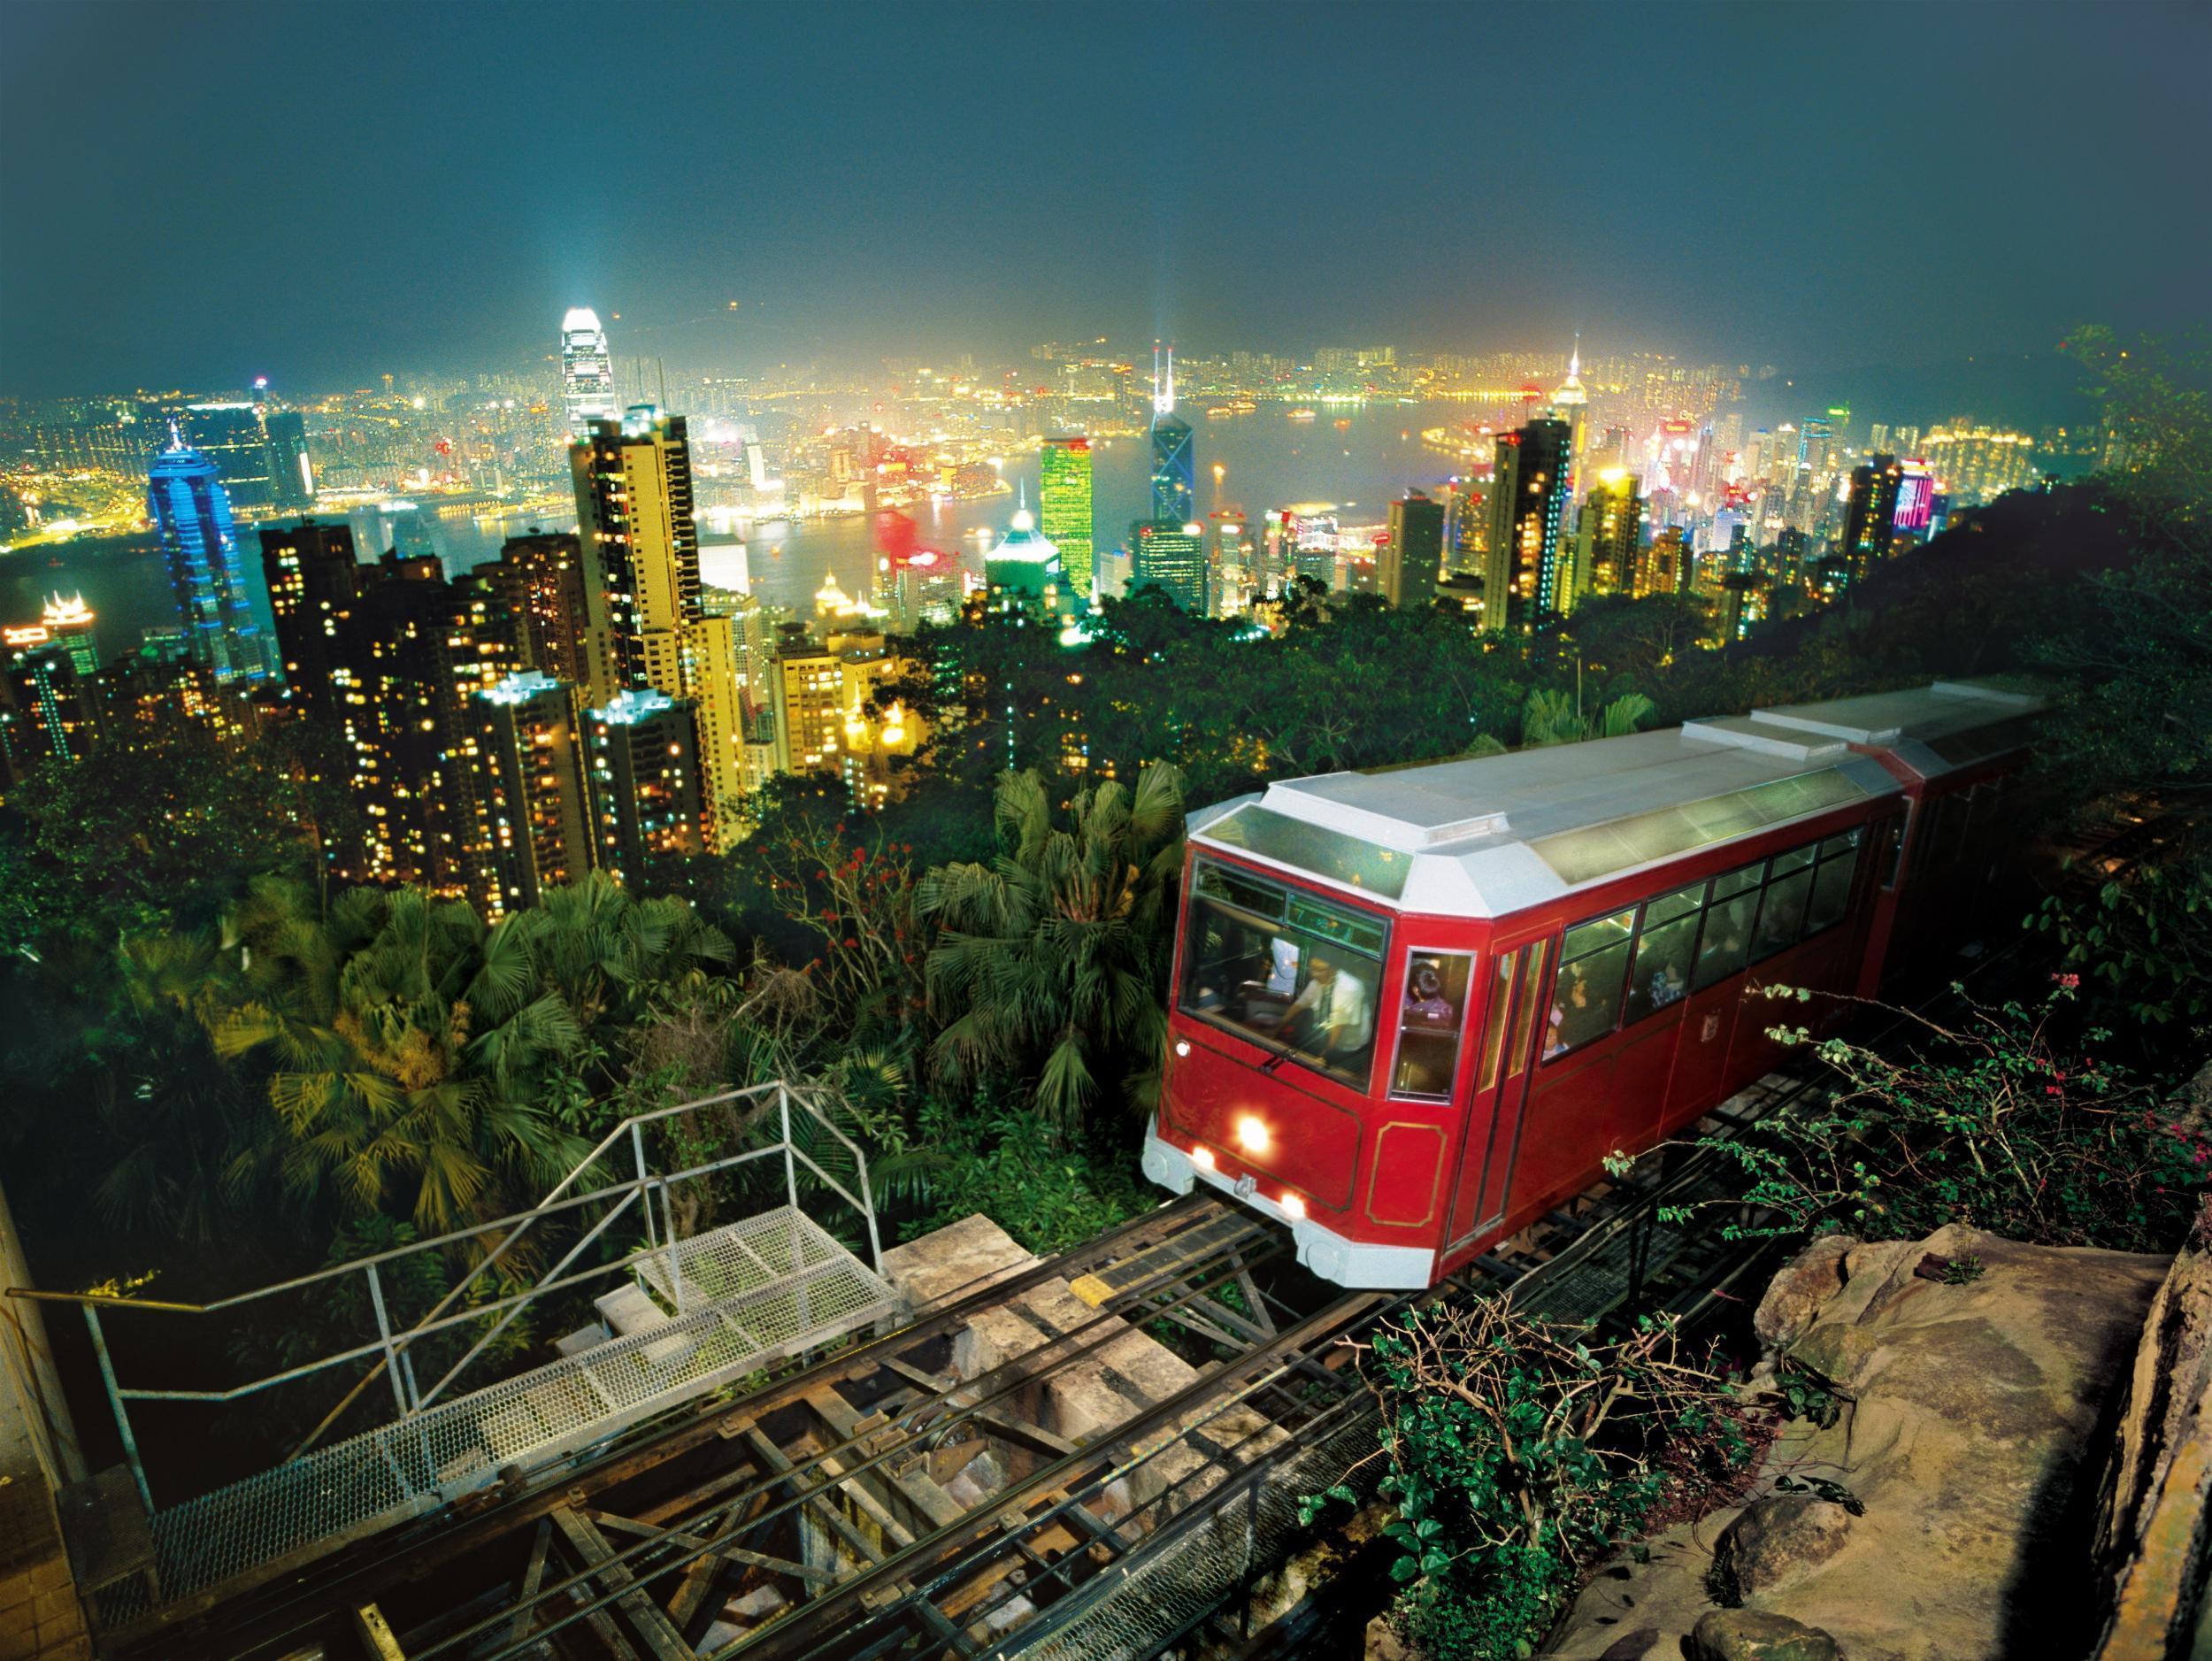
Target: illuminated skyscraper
(586,371)
(1174,464)
(540,579)
(291,473)
(69,625)
(646,621)
(1571,403)
(236,437)
(1979,463)
(1172,554)
(633,513)
(1064,504)
(532,781)
(185,496)
(1606,533)
(645,785)
(1408,565)
(313,579)
(1024,573)
(1522,572)
(1869,515)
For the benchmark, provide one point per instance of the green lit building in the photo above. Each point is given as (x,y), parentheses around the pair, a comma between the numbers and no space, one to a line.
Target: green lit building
(1065,513)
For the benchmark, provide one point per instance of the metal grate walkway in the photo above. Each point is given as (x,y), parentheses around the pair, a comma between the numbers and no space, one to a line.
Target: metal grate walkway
(752,1294)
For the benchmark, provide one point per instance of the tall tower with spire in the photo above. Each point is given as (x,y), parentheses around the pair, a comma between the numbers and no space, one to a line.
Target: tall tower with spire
(1174,464)
(586,371)
(1572,404)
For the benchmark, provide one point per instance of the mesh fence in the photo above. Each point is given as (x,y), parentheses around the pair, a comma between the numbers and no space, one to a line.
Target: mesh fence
(1137,1609)
(753,1293)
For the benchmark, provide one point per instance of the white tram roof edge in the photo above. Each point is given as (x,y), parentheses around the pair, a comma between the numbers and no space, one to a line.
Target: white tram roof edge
(1933,729)
(1490,835)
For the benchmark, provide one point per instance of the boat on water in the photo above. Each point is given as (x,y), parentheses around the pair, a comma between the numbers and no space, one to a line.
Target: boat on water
(1302,414)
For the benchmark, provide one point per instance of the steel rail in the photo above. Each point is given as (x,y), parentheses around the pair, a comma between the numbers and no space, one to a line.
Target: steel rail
(674,1437)
(1024,1376)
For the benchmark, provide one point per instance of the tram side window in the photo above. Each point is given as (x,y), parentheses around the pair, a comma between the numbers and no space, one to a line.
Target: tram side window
(1735,902)
(1429,1017)
(1494,1020)
(1831,882)
(1665,939)
(1593,964)
(1782,911)
(1285,970)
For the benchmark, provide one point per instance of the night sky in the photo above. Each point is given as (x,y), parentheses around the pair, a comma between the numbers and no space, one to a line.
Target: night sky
(193,195)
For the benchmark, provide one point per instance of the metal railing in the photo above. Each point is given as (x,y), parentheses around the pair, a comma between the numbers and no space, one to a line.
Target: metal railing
(394,1349)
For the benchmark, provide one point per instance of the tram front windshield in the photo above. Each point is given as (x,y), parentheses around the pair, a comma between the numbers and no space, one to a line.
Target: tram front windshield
(1287,969)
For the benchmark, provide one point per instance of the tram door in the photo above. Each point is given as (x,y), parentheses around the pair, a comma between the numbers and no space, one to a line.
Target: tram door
(1500,1090)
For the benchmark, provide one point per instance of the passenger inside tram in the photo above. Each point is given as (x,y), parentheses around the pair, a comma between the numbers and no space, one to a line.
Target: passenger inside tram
(1334,1017)
(1426,1003)
(1428,1027)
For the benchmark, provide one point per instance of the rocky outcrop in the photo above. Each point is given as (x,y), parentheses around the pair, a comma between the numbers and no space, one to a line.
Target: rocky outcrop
(1977,1380)
(1777,1541)
(2156,1536)
(1745,1634)
(1795,1295)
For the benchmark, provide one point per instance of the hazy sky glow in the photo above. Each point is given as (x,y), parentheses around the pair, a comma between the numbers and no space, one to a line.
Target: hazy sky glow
(194,194)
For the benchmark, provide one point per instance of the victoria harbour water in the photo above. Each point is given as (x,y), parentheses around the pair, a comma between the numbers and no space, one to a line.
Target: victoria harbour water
(1267,460)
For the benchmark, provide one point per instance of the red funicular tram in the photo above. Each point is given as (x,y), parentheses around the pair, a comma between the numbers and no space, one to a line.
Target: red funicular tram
(1415,1009)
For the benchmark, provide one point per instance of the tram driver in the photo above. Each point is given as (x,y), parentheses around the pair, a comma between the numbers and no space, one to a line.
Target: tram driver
(1334,1015)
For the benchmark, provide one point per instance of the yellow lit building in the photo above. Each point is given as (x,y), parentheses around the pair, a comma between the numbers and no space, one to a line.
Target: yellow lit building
(1974,464)
(824,698)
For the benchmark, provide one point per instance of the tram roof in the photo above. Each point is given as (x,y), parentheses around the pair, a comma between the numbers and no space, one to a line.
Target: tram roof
(1493,835)
(1933,729)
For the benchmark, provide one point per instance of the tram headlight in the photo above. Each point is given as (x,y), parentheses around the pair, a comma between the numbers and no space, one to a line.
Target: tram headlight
(1293,1207)
(1252,1134)
(1182,1046)
(1203,1157)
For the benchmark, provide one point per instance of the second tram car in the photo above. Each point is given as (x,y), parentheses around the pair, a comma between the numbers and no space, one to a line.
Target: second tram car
(1415,1009)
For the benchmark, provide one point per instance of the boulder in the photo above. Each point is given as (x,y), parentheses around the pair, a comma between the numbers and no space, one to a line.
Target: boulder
(1973,1432)
(1747,1635)
(1778,1540)
(1795,1295)
(2156,1528)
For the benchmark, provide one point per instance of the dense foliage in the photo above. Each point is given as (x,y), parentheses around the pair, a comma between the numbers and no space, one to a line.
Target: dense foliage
(2012,1119)
(1520,1453)
(1051,961)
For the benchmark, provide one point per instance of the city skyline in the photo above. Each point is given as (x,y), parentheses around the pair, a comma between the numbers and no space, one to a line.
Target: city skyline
(1732,236)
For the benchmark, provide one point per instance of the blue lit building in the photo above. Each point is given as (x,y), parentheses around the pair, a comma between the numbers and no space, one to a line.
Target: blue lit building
(1174,464)
(186,498)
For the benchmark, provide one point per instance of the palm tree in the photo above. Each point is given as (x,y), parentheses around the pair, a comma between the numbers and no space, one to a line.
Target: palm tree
(1051,962)
(1551,718)
(411,1047)
(612,956)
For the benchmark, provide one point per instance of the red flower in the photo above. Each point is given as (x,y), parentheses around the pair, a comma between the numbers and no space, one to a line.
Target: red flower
(849,941)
